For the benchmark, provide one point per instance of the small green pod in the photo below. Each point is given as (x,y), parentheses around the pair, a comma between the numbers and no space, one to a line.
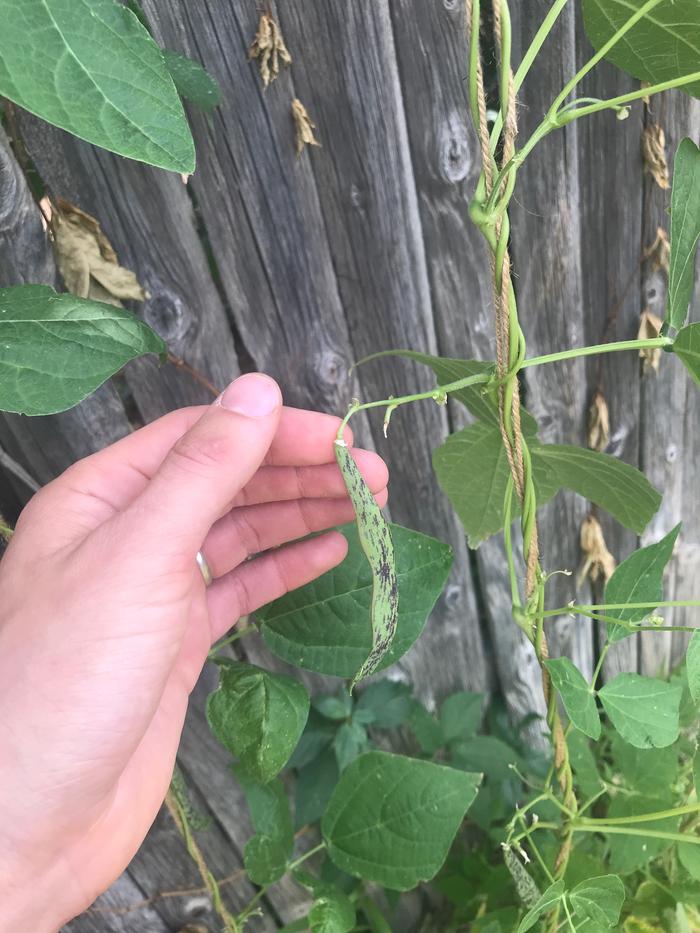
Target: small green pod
(378,548)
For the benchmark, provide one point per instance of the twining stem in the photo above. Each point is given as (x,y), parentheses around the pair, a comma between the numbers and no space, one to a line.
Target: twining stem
(642,817)
(573,112)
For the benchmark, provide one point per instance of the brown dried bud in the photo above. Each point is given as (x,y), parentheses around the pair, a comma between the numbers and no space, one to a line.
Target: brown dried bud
(654,154)
(649,327)
(658,255)
(269,48)
(598,422)
(303,127)
(598,561)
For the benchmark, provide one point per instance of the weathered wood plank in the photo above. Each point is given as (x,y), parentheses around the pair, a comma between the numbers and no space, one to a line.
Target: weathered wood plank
(117,912)
(670,410)
(548,281)
(610,178)
(432,50)
(148,216)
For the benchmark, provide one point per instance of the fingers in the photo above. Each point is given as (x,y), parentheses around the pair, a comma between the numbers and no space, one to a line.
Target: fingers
(280,483)
(253,529)
(259,581)
(206,468)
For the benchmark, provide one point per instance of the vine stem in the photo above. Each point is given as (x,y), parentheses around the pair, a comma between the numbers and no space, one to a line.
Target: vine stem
(250,906)
(642,817)
(630,626)
(664,604)
(650,343)
(612,103)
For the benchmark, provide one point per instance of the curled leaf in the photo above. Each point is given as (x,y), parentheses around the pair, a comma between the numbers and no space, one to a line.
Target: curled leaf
(303,127)
(654,154)
(598,561)
(378,548)
(598,422)
(86,259)
(649,327)
(269,48)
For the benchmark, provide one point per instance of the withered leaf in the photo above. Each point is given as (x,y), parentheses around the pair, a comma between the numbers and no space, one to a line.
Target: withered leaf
(598,422)
(269,48)
(85,257)
(649,327)
(598,562)
(658,255)
(654,154)
(304,128)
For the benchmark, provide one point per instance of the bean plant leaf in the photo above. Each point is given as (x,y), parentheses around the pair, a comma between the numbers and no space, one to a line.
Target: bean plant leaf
(689,857)
(631,853)
(265,859)
(644,710)
(576,695)
(664,44)
(57,349)
(460,715)
(549,899)
(685,231)
(323,626)
(686,346)
(331,912)
(392,819)
(90,67)
(349,742)
(638,579)
(333,707)
(193,82)
(599,900)
(584,764)
(692,665)
(472,469)
(376,542)
(258,716)
(315,784)
(267,852)
(386,704)
(615,486)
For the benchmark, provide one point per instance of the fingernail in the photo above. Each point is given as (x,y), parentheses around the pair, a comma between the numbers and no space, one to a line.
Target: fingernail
(252,395)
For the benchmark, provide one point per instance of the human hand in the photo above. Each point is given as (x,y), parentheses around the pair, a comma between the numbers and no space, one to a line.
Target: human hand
(105,622)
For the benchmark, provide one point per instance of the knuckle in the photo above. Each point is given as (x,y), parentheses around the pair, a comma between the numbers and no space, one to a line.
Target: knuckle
(248,534)
(198,455)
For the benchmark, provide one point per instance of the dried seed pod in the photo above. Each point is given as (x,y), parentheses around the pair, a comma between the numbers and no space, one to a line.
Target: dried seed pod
(658,255)
(598,561)
(654,154)
(378,548)
(598,422)
(526,889)
(304,128)
(269,48)
(649,327)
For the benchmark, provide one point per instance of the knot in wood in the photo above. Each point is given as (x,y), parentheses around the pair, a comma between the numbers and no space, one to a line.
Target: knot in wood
(454,149)
(169,316)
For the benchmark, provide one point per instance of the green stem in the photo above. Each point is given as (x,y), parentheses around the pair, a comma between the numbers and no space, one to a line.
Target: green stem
(6,531)
(229,640)
(250,906)
(651,343)
(665,604)
(504,83)
(376,919)
(599,665)
(633,626)
(478,379)
(474,61)
(573,112)
(642,817)
(624,831)
(508,542)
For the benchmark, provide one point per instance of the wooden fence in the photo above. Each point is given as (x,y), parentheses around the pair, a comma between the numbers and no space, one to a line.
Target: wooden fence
(298,266)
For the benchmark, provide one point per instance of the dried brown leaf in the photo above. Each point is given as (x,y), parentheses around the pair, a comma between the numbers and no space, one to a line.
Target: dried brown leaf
(304,128)
(85,257)
(654,154)
(269,48)
(649,328)
(658,255)
(598,422)
(598,562)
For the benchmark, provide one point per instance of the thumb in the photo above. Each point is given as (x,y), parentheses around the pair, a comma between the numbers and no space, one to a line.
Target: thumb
(208,466)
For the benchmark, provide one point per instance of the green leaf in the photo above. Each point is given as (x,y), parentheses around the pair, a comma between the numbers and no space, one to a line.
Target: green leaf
(630,853)
(584,764)
(696,772)
(599,900)
(685,231)
(392,819)
(692,665)
(649,771)
(90,67)
(643,710)
(318,734)
(460,715)
(265,859)
(578,699)
(315,784)
(484,753)
(689,857)
(258,716)
(192,81)
(426,729)
(615,486)
(323,626)
(549,899)
(385,704)
(472,469)
(350,741)
(663,45)
(638,579)
(333,707)
(57,349)
(686,346)
(331,912)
